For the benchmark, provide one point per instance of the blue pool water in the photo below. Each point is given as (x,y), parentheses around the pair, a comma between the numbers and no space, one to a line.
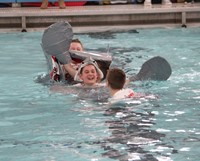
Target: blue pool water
(37,124)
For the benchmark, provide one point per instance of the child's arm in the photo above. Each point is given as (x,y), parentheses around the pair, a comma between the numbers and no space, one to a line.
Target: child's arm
(70,69)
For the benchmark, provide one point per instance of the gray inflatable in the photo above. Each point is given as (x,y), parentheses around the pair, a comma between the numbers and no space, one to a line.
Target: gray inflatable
(156,68)
(56,42)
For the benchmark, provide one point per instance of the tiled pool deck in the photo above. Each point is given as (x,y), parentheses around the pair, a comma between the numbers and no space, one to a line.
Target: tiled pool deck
(101,17)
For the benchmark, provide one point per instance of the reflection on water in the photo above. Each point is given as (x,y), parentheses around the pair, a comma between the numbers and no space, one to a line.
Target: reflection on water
(131,131)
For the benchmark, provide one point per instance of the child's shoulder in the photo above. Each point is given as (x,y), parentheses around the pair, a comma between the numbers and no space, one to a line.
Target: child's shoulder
(124,96)
(124,93)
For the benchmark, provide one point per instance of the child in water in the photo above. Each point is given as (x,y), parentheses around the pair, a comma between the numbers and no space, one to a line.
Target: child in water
(69,70)
(89,74)
(115,81)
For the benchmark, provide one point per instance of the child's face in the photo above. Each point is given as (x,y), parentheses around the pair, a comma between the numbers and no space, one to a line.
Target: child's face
(76,46)
(89,75)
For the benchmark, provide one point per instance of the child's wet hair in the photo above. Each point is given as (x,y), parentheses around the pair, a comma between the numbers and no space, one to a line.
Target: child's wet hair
(116,78)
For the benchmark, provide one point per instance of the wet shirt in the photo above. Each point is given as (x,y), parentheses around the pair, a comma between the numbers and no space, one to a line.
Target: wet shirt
(122,95)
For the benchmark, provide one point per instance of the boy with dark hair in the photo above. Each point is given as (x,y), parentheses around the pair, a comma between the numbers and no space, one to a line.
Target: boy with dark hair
(115,81)
(55,74)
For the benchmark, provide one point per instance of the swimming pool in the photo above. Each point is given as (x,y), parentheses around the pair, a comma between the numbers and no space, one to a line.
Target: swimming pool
(37,124)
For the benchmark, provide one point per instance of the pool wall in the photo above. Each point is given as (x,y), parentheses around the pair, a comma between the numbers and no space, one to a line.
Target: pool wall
(103,16)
